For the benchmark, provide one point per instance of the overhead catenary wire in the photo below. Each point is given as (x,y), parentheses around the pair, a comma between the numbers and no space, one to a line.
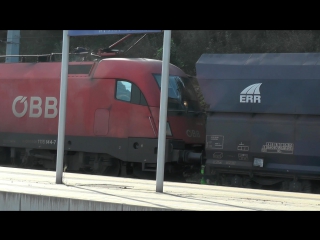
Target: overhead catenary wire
(42,55)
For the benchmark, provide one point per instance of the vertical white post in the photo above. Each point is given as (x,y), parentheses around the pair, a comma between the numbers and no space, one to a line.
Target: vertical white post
(163,111)
(62,106)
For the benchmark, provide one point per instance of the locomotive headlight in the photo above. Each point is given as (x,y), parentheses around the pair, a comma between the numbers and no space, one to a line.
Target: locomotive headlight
(168,130)
(258,162)
(185,103)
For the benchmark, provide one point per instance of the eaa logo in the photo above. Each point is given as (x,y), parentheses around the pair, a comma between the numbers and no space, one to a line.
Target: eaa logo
(251,94)
(20,107)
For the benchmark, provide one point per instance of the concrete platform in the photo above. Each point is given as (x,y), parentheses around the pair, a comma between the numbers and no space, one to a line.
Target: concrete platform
(25,190)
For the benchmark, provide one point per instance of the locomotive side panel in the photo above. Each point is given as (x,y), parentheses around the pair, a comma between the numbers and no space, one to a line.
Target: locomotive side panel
(111,120)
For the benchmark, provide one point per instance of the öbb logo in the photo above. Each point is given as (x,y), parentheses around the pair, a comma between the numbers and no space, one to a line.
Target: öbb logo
(35,109)
(193,133)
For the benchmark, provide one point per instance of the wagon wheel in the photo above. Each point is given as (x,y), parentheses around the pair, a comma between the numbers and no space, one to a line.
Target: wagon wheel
(306,186)
(5,155)
(247,183)
(16,161)
(114,170)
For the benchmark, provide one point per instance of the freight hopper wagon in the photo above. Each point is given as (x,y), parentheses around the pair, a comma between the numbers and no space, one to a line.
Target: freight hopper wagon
(112,116)
(263,124)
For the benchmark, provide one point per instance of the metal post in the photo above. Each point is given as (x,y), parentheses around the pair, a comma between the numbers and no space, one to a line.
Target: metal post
(163,110)
(62,106)
(13,45)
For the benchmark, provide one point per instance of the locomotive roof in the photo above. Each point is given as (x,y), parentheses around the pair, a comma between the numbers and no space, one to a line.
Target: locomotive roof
(136,60)
(133,59)
(108,67)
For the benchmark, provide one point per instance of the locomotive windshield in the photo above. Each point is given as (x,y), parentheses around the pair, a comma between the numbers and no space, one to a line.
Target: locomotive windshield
(181,94)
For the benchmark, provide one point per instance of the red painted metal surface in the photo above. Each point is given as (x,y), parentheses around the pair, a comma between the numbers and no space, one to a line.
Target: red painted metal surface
(92,109)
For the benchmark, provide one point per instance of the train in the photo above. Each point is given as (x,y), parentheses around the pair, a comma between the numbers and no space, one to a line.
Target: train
(263,120)
(261,128)
(112,115)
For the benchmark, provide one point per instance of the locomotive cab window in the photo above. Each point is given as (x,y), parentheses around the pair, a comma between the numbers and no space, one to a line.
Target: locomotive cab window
(129,92)
(181,94)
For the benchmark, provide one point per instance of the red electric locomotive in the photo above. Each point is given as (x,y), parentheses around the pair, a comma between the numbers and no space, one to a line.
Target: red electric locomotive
(111,120)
